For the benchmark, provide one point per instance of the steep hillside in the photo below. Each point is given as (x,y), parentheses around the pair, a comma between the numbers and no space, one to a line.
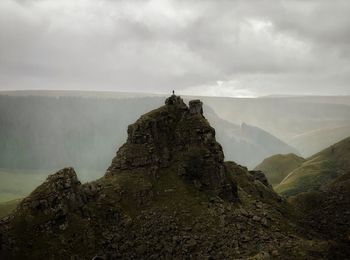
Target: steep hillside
(285,117)
(278,166)
(168,194)
(246,144)
(318,171)
(328,212)
(319,189)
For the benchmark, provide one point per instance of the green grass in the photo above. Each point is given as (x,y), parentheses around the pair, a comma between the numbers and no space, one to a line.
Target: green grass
(318,171)
(174,192)
(309,177)
(278,166)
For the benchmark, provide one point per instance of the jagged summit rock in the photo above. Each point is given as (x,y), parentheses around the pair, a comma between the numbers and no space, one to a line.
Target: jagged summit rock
(196,107)
(179,137)
(176,101)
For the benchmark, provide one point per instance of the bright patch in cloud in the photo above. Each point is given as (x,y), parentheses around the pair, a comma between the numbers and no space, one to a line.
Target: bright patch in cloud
(221,89)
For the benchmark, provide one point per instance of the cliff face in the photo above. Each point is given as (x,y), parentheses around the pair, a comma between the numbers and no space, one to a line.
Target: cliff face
(168,194)
(179,137)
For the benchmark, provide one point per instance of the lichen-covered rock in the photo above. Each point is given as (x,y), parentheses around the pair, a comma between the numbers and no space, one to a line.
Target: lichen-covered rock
(60,192)
(180,136)
(260,176)
(49,210)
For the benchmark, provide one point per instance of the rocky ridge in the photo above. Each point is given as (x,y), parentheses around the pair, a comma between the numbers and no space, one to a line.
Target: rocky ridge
(168,194)
(180,136)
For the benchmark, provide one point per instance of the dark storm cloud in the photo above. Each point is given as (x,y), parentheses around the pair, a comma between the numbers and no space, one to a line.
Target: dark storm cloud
(236,48)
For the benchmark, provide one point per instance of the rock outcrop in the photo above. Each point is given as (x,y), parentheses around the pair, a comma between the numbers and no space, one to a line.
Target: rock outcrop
(179,137)
(61,192)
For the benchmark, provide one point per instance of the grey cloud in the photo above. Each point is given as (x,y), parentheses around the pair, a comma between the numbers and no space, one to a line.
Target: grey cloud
(265,47)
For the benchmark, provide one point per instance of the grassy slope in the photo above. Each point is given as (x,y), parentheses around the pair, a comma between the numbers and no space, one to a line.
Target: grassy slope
(278,166)
(329,212)
(318,171)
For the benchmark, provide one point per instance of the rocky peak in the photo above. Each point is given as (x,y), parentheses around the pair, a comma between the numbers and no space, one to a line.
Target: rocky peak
(60,193)
(196,107)
(64,179)
(176,101)
(178,137)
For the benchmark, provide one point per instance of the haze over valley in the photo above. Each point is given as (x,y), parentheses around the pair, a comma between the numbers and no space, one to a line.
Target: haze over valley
(46,131)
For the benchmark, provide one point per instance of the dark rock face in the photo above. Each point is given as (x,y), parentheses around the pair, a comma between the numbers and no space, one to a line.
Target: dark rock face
(62,186)
(196,107)
(260,176)
(180,137)
(60,194)
(46,211)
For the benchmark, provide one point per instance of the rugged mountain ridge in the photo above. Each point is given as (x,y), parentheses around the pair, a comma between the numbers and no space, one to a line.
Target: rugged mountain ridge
(168,194)
(319,188)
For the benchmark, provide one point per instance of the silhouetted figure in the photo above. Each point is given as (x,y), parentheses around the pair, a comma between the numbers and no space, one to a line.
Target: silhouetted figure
(173,92)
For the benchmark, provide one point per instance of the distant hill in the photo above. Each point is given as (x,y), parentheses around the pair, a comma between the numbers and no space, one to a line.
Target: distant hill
(318,189)
(278,166)
(318,171)
(314,141)
(309,123)
(246,144)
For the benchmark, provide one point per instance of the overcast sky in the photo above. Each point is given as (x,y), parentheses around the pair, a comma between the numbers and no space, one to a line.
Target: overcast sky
(201,47)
